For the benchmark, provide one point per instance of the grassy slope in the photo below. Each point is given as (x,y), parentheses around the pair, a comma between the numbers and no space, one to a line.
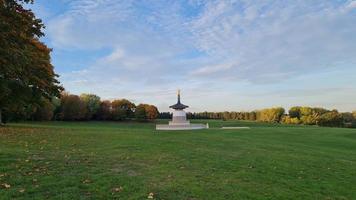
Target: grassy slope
(60,160)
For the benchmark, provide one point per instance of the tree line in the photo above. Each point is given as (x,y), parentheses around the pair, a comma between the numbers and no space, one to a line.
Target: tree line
(295,115)
(70,107)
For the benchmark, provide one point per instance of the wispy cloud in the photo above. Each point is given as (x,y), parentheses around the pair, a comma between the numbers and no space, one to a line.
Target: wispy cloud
(160,46)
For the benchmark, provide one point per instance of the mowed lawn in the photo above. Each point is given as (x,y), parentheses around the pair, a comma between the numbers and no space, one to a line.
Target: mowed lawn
(107,160)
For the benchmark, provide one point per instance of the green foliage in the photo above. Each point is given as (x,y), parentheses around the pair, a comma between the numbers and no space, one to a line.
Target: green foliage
(297,115)
(26,73)
(331,119)
(146,112)
(92,103)
(140,112)
(348,120)
(122,109)
(45,111)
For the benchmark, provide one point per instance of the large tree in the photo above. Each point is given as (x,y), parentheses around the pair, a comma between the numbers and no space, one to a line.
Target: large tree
(104,112)
(92,102)
(140,112)
(122,109)
(26,72)
(72,107)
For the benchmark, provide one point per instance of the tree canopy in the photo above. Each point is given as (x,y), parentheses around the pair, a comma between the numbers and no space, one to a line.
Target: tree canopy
(26,72)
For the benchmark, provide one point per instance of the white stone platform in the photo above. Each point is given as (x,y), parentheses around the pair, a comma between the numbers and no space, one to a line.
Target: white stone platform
(181,127)
(235,127)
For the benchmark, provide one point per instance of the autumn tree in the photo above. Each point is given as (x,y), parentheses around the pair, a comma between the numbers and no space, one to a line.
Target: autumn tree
(146,112)
(122,109)
(104,112)
(45,111)
(92,104)
(72,107)
(26,73)
(332,119)
(271,114)
(140,112)
(294,112)
(151,112)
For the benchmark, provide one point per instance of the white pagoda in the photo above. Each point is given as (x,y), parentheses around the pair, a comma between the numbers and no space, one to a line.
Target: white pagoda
(179,119)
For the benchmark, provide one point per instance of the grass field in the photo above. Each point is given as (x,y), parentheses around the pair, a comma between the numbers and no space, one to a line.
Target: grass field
(107,160)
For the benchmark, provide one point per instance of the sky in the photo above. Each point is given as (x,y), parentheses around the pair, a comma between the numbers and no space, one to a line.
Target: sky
(233,55)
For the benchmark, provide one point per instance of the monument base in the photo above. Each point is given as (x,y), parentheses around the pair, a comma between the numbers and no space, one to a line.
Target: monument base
(180,123)
(181,127)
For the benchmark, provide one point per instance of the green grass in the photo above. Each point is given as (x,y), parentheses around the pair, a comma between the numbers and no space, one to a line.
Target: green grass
(88,160)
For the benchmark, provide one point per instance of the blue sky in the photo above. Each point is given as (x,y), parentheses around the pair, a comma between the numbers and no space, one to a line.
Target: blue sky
(224,55)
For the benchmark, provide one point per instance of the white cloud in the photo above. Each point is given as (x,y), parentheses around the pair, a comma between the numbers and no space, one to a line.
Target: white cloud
(211,69)
(270,38)
(152,44)
(351,5)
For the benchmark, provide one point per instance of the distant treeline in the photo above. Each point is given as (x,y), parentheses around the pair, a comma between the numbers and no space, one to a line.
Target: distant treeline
(295,115)
(71,107)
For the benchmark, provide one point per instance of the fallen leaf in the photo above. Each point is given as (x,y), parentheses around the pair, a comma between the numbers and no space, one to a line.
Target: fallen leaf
(22,190)
(86,181)
(117,189)
(150,195)
(5,185)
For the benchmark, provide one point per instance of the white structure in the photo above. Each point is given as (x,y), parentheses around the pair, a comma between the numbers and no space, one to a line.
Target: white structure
(179,119)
